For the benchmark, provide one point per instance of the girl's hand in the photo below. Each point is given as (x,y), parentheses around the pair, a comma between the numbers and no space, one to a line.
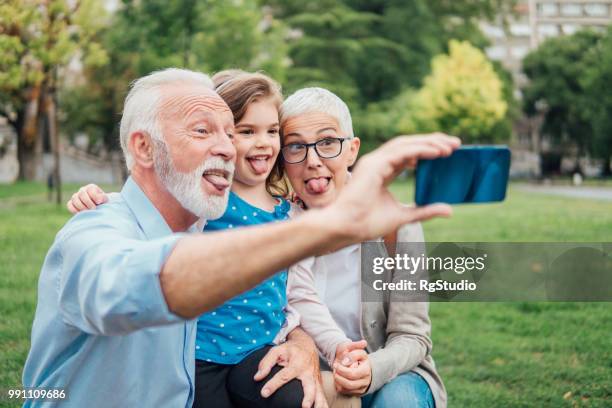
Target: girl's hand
(357,377)
(87,198)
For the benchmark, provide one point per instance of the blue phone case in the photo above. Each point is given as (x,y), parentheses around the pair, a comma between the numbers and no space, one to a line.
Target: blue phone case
(472,174)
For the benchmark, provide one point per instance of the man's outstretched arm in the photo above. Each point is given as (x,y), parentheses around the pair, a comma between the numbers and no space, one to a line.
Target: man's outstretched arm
(205,270)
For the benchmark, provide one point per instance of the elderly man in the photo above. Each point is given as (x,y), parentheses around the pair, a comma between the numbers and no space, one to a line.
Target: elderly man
(120,286)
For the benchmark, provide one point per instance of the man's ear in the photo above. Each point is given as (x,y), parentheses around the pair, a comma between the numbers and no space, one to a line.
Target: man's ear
(354,144)
(141,147)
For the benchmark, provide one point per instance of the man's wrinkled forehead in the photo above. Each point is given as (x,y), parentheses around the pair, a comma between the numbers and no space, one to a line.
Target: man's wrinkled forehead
(185,99)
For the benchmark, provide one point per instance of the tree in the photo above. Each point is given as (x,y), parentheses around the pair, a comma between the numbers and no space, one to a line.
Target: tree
(326,45)
(37,41)
(597,83)
(144,36)
(462,96)
(386,45)
(370,53)
(374,53)
(555,71)
(422,28)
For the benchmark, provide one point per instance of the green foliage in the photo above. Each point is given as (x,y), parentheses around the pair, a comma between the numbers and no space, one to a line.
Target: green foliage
(555,70)
(463,96)
(144,36)
(377,47)
(374,53)
(597,83)
(570,79)
(371,53)
(502,131)
(35,38)
(326,49)
(380,121)
(38,40)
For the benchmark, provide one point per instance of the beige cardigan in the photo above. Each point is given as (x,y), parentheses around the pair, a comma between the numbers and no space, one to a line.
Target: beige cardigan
(398,333)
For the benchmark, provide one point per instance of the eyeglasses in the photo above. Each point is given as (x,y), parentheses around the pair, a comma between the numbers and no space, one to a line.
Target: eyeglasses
(327,148)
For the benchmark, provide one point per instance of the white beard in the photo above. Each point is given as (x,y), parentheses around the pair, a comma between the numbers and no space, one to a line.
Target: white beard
(186,188)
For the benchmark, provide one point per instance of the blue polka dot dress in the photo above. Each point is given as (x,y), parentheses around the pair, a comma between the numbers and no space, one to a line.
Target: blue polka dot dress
(251,320)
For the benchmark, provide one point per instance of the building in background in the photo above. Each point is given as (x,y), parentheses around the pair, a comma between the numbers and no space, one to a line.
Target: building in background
(514,35)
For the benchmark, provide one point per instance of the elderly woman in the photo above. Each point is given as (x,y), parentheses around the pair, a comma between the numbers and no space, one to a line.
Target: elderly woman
(397,370)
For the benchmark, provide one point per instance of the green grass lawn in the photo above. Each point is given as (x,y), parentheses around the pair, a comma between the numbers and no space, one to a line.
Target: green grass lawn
(489,354)
(522,217)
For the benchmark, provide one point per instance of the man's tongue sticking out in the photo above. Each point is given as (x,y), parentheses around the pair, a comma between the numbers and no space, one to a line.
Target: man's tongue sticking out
(217,180)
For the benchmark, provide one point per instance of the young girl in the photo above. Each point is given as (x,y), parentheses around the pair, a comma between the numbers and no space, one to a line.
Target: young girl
(232,339)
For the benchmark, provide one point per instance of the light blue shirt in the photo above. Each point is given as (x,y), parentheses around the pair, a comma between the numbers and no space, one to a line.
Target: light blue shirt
(102,329)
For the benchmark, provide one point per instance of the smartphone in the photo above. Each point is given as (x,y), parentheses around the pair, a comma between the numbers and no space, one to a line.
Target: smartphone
(472,174)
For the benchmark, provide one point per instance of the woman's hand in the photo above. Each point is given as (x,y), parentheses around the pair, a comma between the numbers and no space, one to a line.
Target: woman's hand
(353,374)
(343,350)
(87,198)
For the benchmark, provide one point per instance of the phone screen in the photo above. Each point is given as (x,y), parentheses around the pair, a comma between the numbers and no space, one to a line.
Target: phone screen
(472,174)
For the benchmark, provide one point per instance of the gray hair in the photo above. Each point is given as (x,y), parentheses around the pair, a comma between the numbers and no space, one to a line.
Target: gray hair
(309,100)
(140,111)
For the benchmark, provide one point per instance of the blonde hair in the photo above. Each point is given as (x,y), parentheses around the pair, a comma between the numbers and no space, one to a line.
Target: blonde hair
(239,89)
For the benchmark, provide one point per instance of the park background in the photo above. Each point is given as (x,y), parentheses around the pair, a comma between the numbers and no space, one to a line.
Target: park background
(535,75)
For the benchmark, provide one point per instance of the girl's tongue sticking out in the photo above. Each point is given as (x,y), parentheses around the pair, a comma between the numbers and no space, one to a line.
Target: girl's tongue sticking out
(259,164)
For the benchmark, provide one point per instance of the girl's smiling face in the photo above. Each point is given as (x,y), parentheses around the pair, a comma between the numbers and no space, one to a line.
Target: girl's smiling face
(257,143)
(318,181)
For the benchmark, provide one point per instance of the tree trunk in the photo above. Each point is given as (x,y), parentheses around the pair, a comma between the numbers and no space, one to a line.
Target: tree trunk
(29,157)
(29,146)
(577,167)
(51,114)
(605,172)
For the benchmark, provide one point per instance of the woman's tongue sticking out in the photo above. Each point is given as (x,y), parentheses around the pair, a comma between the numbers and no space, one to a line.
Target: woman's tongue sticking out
(317,185)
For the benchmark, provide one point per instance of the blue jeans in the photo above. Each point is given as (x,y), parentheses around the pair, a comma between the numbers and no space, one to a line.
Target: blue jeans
(407,390)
